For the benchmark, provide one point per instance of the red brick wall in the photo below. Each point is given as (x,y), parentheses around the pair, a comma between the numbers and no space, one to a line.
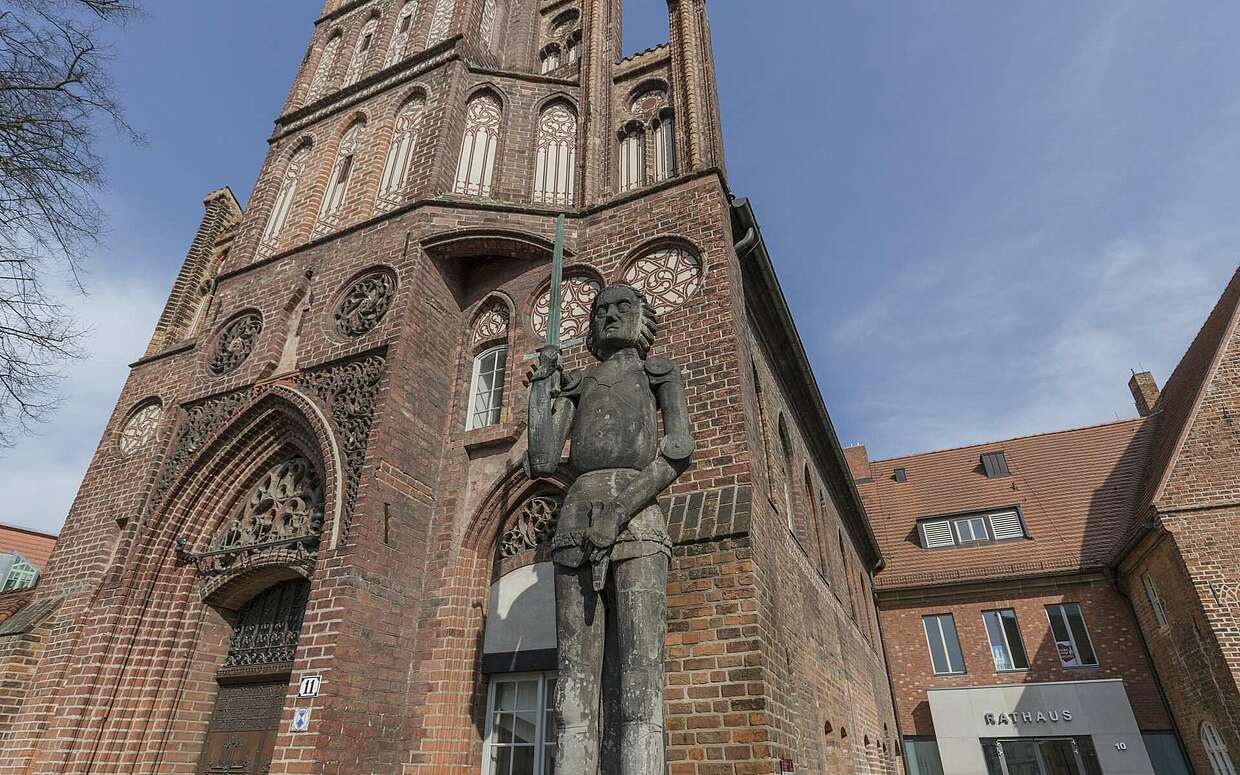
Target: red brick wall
(1112,630)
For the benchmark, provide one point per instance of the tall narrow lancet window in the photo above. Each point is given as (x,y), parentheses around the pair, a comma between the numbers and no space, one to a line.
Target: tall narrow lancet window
(557,155)
(664,146)
(284,201)
(396,168)
(572,50)
(489,339)
(493,13)
(361,52)
(785,446)
(338,183)
(327,63)
(632,158)
(399,45)
(441,22)
(476,167)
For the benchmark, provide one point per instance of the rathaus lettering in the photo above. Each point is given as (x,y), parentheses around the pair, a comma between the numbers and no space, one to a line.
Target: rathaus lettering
(1028,717)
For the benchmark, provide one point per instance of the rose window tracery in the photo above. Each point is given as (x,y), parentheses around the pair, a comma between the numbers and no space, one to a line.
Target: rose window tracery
(649,101)
(141,428)
(366,303)
(235,343)
(668,277)
(534,526)
(576,295)
(283,510)
(492,324)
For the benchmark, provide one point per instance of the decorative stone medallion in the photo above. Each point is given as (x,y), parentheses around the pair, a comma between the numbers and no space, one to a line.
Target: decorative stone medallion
(577,294)
(140,429)
(366,303)
(235,343)
(668,277)
(534,526)
(649,101)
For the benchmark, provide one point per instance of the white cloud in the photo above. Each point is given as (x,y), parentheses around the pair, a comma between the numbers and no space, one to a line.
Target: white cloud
(39,477)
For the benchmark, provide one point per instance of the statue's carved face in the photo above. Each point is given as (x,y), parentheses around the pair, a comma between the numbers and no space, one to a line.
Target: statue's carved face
(617,321)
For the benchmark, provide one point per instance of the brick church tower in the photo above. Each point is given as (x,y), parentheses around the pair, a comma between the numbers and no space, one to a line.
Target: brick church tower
(315,470)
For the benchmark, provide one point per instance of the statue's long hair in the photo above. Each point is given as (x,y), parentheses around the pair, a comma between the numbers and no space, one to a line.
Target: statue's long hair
(650,321)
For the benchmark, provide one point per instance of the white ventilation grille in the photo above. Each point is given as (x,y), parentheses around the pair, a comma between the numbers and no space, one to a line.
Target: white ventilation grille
(938,534)
(1005,525)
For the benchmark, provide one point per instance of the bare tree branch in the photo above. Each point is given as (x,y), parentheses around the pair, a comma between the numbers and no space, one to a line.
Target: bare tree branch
(55,89)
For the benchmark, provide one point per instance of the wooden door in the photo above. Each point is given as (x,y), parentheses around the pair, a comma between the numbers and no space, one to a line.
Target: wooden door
(242,735)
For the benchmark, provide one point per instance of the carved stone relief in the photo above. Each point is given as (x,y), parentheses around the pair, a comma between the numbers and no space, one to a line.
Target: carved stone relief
(235,343)
(366,303)
(492,324)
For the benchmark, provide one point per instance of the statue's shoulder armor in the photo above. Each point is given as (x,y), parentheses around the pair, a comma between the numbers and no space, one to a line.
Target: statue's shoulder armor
(661,370)
(571,383)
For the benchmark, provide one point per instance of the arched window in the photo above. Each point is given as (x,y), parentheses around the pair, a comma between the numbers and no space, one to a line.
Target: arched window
(1216,750)
(785,447)
(284,201)
(361,52)
(632,158)
(400,33)
(554,172)
(338,183)
(550,59)
(441,22)
(572,50)
(396,168)
(476,167)
(816,525)
(327,63)
(664,146)
(486,390)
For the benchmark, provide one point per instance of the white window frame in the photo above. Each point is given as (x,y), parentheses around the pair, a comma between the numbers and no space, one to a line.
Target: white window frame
(972,522)
(1216,750)
(632,158)
(545,705)
(943,640)
(1007,642)
(1076,647)
(22,574)
(496,392)
(1151,593)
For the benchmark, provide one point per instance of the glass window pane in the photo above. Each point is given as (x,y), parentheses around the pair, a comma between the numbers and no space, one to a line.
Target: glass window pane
(503,761)
(1016,645)
(934,637)
(527,695)
(1021,757)
(525,728)
(921,757)
(506,696)
(990,749)
(503,728)
(1165,753)
(1076,623)
(998,645)
(954,655)
(1058,627)
(523,760)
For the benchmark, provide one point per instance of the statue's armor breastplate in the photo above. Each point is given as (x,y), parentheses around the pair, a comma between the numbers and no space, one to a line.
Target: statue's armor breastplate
(616,423)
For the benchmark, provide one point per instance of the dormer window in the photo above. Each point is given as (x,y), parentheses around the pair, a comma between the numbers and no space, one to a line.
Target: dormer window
(971,529)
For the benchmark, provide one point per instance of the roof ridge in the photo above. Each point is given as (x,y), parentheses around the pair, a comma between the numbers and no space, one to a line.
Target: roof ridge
(1073,429)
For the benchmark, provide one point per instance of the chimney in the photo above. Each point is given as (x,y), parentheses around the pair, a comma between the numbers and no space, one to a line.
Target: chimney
(858,463)
(1144,392)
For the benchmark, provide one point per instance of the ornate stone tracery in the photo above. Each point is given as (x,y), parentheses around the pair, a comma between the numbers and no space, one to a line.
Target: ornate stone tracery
(269,628)
(534,526)
(578,294)
(350,392)
(366,303)
(140,429)
(235,343)
(283,511)
(492,324)
(667,277)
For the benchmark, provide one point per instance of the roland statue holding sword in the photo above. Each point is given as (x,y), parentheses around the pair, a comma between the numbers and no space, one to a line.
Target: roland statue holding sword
(611,548)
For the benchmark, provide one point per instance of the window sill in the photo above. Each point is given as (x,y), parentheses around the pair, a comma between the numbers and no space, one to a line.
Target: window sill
(491,435)
(950,675)
(1080,667)
(1013,670)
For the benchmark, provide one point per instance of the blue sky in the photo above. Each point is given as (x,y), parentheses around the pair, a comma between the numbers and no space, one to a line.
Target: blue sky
(983,214)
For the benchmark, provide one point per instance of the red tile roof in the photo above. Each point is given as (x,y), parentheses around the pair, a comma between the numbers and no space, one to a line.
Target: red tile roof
(1076,490)
(33,545)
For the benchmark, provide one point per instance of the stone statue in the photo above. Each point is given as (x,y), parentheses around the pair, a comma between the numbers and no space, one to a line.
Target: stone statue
(611,548)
